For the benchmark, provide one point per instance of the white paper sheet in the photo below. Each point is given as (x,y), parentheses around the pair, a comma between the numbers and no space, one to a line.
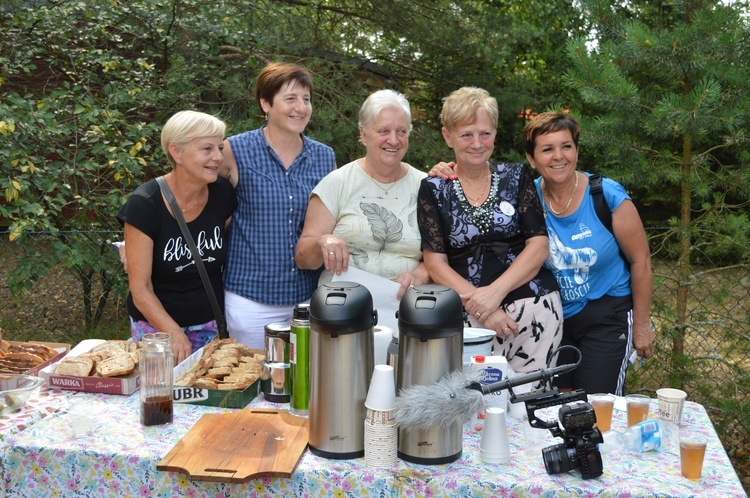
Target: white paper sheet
(383,293)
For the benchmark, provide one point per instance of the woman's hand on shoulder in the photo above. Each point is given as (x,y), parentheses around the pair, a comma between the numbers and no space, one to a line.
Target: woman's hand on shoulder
(443,170)
(123,256)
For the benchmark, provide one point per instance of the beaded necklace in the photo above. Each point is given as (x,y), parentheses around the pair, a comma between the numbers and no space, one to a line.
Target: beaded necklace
(481,215)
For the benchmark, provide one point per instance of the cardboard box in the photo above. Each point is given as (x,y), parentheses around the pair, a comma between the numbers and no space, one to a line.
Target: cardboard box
(211,397)
(108,385)
(61,348)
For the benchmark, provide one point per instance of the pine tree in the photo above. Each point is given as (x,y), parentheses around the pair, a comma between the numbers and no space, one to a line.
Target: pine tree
(666,88)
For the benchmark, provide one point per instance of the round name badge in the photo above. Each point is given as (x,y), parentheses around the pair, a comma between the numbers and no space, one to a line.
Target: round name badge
(507,208)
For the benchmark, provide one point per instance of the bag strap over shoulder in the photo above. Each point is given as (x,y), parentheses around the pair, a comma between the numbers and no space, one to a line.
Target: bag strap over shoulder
(600,204)
(221,323)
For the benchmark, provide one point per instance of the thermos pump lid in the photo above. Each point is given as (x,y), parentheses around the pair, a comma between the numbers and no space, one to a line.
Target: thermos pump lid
(340,308)
(430,312)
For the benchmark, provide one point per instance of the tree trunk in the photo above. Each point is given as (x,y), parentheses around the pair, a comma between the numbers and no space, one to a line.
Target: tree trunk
(683,266)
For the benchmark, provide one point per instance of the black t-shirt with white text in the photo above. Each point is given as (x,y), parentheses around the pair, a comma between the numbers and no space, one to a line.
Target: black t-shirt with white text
(174,276)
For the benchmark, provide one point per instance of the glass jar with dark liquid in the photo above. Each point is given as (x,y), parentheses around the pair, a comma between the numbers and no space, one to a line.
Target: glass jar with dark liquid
(157,364)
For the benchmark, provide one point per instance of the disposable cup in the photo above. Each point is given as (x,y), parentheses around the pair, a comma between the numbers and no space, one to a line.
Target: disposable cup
(378,418)
(382,393)
(81,417)
(603,405)
(671,402)
(494,446)
(381,446)
(638,405)
(692,451)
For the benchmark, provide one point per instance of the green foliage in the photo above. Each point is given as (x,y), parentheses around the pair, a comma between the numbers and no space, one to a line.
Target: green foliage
(664,106)
(87,96)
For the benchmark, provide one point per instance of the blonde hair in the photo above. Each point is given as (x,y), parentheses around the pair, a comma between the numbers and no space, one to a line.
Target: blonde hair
(187,125)
(462,107)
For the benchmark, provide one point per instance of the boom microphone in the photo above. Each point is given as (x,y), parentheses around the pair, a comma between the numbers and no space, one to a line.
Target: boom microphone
(456,397)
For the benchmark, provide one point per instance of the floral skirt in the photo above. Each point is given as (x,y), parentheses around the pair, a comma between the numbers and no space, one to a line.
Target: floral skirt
(199,335)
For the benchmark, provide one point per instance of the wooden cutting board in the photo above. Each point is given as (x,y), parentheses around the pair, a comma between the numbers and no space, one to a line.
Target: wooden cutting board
(239,446)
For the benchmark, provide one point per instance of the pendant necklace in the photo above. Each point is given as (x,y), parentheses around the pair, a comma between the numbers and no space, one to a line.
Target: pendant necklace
(567,205)
(475,200)
(377,183)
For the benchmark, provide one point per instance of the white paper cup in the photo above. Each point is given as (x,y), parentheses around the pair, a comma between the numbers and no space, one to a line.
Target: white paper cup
(382,393)
(671,402)
(494,446)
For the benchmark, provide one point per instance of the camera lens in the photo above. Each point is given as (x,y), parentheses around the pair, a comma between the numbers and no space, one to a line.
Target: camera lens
(559,458)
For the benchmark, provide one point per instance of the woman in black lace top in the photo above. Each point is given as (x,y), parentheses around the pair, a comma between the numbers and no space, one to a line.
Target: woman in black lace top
(483,235)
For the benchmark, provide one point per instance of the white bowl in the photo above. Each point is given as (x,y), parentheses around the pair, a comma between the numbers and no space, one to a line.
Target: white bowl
(15,390)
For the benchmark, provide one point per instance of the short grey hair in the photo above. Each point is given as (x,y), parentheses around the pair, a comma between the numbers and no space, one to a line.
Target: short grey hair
(187,125)
(377,102)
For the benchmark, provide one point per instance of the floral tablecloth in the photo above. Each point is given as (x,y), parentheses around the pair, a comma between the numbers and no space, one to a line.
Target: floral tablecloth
(96,447)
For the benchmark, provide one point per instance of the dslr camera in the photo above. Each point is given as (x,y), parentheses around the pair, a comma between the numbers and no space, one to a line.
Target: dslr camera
(575,425)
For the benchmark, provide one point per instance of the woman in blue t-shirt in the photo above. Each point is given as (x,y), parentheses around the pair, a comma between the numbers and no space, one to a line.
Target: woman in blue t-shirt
(604,277)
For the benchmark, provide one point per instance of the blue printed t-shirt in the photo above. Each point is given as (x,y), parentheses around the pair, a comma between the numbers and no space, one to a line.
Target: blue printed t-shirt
(268,222)
(584,255)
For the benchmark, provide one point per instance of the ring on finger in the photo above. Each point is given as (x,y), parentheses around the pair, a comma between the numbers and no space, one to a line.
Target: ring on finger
(478,315)
(331,253)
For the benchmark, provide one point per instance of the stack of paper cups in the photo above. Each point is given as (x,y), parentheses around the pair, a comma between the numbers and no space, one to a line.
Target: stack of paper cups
(494,446)
(381,434)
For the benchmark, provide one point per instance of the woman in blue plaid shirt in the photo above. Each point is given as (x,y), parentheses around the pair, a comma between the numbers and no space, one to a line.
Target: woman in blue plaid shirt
(273,169)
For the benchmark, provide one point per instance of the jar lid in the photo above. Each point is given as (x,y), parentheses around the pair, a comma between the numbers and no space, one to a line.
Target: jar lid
(276,328)
(302,311)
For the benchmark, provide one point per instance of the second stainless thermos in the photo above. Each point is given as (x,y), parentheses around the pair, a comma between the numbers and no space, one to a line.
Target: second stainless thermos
(430,345)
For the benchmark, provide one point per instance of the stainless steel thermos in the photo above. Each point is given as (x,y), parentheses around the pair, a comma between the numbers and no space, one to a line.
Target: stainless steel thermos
(341,364)
(275,378)
(430,345)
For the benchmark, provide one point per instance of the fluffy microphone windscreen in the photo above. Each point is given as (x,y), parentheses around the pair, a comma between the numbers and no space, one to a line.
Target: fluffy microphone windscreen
(422,407)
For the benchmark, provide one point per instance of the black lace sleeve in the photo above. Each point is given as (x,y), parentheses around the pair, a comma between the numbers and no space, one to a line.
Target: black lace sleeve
(428,217)
(530,207)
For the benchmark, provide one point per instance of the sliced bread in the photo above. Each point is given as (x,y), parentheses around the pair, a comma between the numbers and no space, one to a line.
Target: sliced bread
(115,365)
(76,366)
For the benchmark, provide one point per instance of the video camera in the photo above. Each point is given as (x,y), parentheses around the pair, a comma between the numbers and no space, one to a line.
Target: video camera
(575,425)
